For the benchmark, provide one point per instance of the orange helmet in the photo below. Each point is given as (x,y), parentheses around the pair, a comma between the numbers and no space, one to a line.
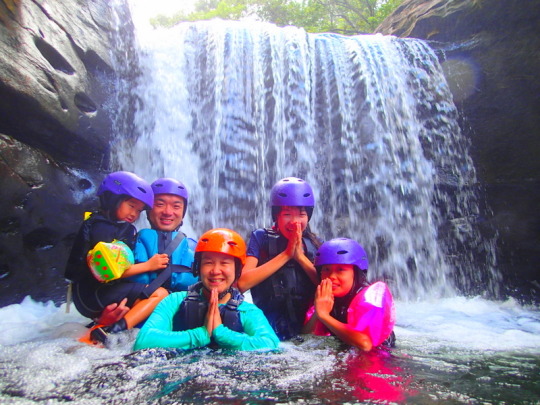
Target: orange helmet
(221,240)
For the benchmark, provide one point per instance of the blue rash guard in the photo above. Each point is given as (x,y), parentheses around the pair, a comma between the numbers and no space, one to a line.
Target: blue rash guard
(158,330)
(148,244)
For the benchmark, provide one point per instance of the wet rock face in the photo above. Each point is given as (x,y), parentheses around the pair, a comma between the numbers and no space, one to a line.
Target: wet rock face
(40,211)
(56,75)
(491,59)
(56,81)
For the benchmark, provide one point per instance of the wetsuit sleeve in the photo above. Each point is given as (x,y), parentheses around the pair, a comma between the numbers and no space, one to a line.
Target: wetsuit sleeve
(157,331)
(257,335)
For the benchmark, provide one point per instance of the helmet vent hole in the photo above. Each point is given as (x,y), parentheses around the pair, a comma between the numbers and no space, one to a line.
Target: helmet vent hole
(142,190)
(282,195)
(231,243)
(307,195)
(205,240)
(342,252)
(158,185)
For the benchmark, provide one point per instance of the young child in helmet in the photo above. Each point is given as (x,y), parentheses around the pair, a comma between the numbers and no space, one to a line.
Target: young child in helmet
(279,267)
(212,312)
(166,218)
(123,196)
(346,305)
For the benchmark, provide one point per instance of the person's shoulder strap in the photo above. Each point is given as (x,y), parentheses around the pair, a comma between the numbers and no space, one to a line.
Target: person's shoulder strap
(171,247)
(166,273)
(311,249)
(272,242)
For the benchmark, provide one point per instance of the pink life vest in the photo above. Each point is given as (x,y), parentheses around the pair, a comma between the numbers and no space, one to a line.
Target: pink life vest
(372,312)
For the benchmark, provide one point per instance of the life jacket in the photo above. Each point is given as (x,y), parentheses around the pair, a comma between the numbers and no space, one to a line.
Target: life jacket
(164,239)
(342,304)
(192,311)
(285,296)
(96,224)
(340,311)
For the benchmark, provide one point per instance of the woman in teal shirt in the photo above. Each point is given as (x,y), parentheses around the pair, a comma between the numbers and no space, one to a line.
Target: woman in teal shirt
(212,313)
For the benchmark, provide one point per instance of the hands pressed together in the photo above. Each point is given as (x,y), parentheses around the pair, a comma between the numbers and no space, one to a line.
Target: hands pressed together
(213,317)
(324,298)
(295,247)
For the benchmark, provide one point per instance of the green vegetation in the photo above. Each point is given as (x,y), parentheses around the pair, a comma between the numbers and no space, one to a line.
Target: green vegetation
(348,17)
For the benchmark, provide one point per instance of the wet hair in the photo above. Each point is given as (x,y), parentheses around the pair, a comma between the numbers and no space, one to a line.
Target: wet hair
(109,203)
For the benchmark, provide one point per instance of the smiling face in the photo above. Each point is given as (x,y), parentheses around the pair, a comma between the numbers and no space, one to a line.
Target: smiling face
(129,210)
(167,213)
(341,276)
(289,217)
(217,271)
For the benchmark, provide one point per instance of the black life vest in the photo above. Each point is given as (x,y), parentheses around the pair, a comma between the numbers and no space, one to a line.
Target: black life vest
(341,304)
(192,311)
(285,296)
(97,228)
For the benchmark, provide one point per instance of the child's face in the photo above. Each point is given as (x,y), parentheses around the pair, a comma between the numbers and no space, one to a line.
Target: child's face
(129,210)
(217,271)
(167,213)
(289,217)
(341,276)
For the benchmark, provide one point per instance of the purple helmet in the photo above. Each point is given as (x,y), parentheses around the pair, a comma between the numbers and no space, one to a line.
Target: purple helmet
(341,251)
(292,192)
(127,183)
(168,185)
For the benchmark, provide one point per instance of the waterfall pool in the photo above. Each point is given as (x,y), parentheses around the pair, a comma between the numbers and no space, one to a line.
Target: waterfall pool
(450,351)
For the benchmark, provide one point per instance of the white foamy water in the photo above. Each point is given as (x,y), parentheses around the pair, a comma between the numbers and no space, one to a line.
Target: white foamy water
(41,359)
(459,322)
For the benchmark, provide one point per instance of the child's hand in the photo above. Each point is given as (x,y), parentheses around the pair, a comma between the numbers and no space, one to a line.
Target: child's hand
(158,261)
(113,313)
(324,298)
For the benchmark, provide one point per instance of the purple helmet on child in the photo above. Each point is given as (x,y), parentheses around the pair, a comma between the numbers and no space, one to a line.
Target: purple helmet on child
(168,185)
(342,251)
(125,183)
(292,192)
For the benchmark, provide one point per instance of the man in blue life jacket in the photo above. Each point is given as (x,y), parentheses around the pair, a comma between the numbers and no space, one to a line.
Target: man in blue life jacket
(212,313)
(166,218)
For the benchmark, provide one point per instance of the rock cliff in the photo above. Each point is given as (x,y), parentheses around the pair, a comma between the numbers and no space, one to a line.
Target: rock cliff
(490,50)
(56,80)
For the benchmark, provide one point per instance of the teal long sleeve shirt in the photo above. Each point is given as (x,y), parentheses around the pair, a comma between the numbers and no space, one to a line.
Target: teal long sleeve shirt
(157,331)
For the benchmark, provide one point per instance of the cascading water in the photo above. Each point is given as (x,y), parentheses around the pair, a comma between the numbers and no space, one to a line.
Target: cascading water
(230,108)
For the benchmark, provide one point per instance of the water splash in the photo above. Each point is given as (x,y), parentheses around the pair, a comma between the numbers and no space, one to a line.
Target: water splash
(229,108)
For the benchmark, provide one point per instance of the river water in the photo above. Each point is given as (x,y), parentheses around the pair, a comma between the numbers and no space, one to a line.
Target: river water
(449,351)
(230,108)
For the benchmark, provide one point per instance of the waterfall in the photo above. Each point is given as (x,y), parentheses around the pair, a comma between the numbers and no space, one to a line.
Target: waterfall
(229,108)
